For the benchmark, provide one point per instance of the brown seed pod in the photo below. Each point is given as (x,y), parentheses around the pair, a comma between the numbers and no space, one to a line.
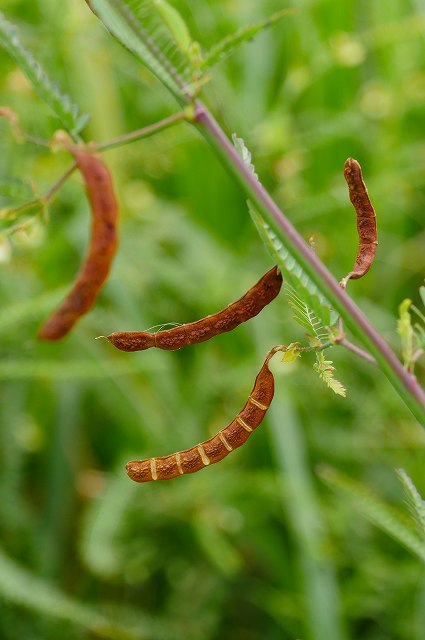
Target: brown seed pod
(218,447)
(240,311)
(103,245)
(366,221)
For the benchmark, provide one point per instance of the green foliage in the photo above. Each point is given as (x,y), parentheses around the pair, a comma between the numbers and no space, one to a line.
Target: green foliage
(134,25)
(412,336)
(231,42)
(326,373)
(414,501)
(60,103)
(175,23)
(19,586)
(312,310)
(405,331)
(253,547)
(392,521)
(15,188)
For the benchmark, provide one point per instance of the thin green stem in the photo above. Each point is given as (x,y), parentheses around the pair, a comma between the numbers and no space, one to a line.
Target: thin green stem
(405,383)
(42,200)
(141,133)
(59,182)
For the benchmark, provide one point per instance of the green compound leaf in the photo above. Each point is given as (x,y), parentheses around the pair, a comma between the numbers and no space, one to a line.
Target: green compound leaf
(175,23)
(139,27)
(230,43)
(390,520)
(59,102)
(312,310)
(326,373)
(414,501)
(304,315)
(245,154)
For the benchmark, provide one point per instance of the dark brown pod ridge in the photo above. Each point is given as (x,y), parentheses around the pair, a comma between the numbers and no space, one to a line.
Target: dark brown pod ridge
(248,306)
(218,447)
(101,251)
(366,220)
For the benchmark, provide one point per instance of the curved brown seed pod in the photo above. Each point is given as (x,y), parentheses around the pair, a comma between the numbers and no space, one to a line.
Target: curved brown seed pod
(240,311)
(218,447)
(366,220)
(103,245)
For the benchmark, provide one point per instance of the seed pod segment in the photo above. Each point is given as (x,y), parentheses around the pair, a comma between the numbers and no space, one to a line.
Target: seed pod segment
(218,447)
(366,221)
(102,248)
(248,306)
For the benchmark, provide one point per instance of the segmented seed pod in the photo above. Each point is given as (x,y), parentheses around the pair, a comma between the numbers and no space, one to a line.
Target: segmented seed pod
(248,306)
(102,248)
(219,446)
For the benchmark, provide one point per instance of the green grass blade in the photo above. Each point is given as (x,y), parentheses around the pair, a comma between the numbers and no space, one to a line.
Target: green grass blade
(25,589)
(414,501)
(36,369)
(230,43)
(322,617)
(387,518)
(67,112)
(29,309)
(145,39)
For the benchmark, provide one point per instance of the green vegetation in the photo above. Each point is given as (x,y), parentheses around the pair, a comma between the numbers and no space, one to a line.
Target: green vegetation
(315,528)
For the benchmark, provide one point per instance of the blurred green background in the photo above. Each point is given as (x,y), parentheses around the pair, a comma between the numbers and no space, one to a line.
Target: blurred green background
(256,547)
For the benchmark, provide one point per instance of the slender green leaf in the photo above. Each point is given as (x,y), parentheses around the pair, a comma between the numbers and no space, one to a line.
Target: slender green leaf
(414,501)
(36,369)
(387,518)
(59,102)
(25,589)
(231,42)
(175,23)
(32,307)
(135,28)
(405,331)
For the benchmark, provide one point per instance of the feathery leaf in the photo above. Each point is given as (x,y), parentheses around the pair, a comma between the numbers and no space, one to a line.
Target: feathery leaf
(230,43)
(414,501)
(326,373)
(311,308)
(387,518)
(60,103)
(139,27)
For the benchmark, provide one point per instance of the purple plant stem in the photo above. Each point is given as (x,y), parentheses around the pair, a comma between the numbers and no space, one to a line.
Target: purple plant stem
(405,383)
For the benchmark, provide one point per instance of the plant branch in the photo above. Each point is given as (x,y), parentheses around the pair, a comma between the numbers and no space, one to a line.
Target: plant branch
(355,349)
(405,384)
(141,133)
(58,184)
(42,200)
